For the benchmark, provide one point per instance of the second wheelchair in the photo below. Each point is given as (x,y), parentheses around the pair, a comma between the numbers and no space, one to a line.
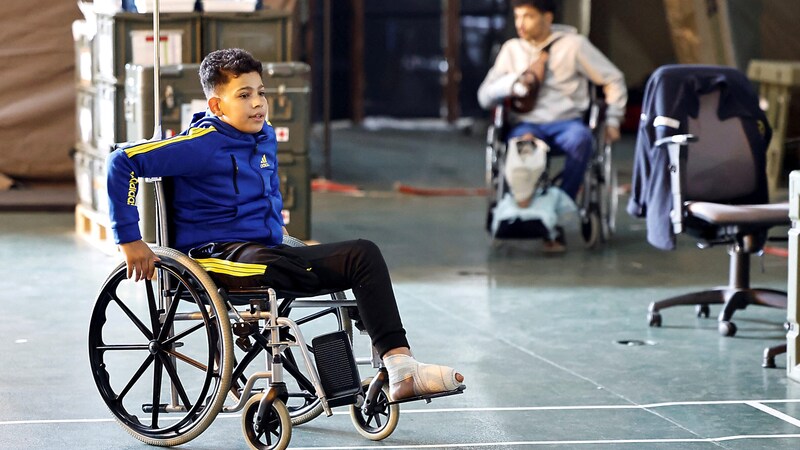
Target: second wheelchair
(596,202)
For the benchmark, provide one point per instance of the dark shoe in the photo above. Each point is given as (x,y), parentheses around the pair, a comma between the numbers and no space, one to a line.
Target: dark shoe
(557,245)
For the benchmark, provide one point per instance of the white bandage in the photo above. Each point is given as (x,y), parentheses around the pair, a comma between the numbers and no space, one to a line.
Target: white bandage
(428,378)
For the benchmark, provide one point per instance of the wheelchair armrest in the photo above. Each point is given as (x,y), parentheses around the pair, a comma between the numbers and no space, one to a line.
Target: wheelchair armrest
(292,241)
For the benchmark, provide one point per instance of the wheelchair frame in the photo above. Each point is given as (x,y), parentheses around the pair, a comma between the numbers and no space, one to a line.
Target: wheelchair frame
(184,326)
(168,329)
(597,201)
(166,333)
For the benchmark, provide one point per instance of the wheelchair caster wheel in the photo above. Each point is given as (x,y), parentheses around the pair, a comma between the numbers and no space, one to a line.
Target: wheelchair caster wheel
(654,319)
(702,311)
(278,431)
(726,328)
(381,421)
(591,229)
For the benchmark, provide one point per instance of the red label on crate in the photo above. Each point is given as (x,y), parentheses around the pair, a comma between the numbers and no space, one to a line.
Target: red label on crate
(282,134)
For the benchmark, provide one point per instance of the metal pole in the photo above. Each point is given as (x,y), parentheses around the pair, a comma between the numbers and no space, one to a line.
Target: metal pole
(158,187)
(326,85)
(156,71)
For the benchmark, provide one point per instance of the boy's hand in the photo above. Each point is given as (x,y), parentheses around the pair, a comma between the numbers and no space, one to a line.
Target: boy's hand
(612,134)
(140,260)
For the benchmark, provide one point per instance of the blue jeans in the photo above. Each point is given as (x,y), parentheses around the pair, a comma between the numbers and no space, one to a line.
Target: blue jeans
(568,137)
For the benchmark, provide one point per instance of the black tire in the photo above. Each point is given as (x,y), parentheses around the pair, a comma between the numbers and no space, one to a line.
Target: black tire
(382,422)
(278,432)
(143,355)
(609,205)
(591,229)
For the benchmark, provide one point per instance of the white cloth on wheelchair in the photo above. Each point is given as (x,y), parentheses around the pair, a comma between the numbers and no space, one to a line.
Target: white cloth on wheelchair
(548,207)
(526,162)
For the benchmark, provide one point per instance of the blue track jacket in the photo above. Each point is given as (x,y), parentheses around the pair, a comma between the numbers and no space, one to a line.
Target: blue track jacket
(225,184)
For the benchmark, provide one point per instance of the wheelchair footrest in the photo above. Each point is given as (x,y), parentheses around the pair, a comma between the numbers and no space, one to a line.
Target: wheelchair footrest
(429,397)
(337,368)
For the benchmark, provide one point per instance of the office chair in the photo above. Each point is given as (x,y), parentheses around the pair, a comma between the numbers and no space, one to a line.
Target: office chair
(700,170)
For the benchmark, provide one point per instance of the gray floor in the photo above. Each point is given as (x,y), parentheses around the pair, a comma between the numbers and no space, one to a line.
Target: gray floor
(537,337)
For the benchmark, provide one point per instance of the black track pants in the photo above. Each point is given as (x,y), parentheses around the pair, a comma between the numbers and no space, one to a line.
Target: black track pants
(338,266)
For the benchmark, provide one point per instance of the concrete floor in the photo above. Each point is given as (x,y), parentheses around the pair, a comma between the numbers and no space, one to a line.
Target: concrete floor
(537,337)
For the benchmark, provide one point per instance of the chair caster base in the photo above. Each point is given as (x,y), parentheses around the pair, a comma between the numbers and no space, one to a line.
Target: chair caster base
(654,319)
(726,328)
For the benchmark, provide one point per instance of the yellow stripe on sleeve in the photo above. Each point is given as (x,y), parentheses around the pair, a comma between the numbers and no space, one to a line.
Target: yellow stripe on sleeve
(149,146)
(234,269)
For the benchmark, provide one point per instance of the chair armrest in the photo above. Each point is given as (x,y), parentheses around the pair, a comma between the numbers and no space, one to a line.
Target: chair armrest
(680,139)
(677,150)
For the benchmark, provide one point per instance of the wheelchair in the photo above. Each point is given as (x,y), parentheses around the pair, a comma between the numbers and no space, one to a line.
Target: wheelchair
(597,200)
(168,355)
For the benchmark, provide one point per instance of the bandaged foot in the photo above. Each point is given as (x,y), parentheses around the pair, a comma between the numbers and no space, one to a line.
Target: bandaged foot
(410,378)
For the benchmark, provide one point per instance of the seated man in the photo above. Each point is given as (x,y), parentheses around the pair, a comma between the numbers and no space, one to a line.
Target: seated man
(546,71)
(227,212)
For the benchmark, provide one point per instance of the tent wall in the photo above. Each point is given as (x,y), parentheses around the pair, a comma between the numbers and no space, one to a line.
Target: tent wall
(37,88)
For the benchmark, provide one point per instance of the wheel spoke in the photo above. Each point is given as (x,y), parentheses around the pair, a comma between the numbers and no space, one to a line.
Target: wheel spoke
(132,316)
(145,364)
(170,317)
(173,376)
(183,334)
(156,394)
(151,304)
(192,362)
(123,347)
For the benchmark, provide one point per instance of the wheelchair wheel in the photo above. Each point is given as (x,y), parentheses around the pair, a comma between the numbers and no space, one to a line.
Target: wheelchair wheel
(161,356)
(278,432)
(591,228)
(609,201)
(303,404)
(382,422)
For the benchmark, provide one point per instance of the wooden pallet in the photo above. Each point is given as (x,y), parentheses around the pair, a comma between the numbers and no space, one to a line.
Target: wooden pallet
(95,228)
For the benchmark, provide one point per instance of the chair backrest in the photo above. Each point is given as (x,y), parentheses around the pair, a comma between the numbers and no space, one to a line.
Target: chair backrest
(720,165)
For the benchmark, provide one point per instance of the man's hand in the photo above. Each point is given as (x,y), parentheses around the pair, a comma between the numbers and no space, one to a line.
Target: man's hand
(140,260)
(612,134)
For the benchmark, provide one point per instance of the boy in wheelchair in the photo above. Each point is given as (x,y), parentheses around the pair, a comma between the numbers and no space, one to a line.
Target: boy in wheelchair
(227,216)
(545,72)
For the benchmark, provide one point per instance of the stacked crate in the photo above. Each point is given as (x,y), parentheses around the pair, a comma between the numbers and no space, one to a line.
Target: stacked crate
(115,102)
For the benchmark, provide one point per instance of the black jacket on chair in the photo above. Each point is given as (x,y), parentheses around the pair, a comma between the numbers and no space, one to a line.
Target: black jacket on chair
(671,97)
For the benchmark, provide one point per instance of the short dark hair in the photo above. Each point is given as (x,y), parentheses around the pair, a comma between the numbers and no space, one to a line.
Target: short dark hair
(544,6)
(219,66)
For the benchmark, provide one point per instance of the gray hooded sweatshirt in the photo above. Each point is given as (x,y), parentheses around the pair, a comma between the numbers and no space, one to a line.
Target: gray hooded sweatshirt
(565,93)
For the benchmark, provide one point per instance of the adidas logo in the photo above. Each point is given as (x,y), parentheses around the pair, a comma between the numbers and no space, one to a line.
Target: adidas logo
(264,163)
